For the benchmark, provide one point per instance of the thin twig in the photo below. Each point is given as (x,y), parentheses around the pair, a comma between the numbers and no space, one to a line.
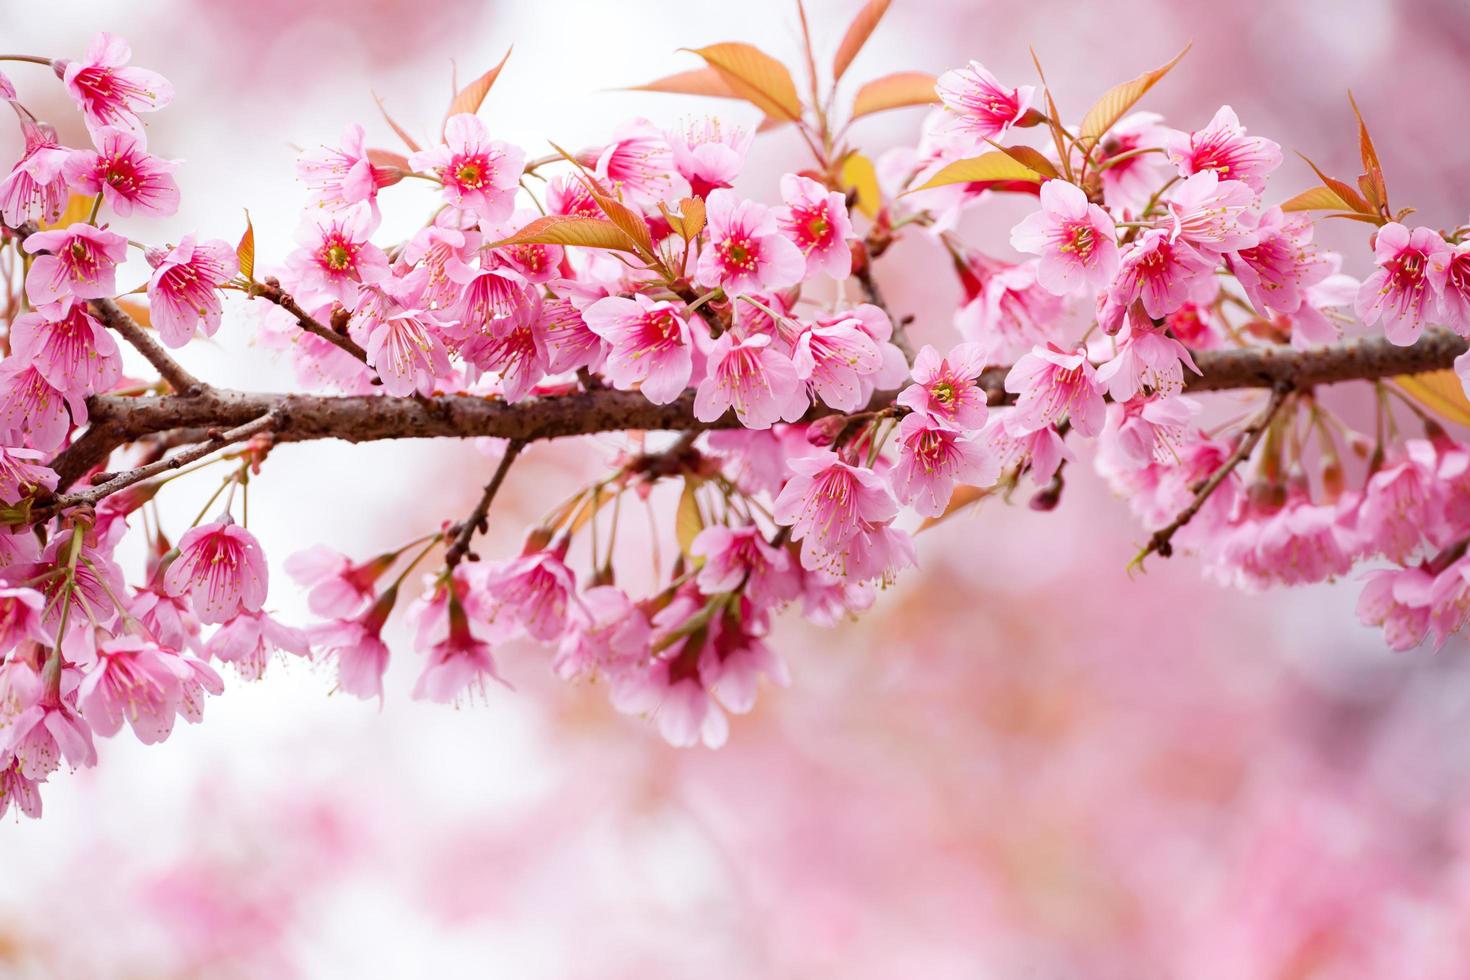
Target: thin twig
(271,290)
(874,295)
(477,522)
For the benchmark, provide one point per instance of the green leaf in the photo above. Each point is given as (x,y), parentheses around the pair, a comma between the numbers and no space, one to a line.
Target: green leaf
(1120,98)
(857,35)
(988,167)
(903,88)
(755,77)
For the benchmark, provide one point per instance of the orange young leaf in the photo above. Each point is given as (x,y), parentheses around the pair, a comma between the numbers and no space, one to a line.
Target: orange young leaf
(1342,189)
(1026,156)
(245,251)
(857,35)
(629,221)
(904,88)
(755,77)
(470,98)
(1120,98)
(1372,182)
(987,167)
(699,81)
(689,222)
(403,134)
(858,174)
(1317,199)
(1439,391)
(559,229)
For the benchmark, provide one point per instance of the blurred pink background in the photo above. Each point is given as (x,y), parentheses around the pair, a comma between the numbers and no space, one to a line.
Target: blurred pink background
(1024,764)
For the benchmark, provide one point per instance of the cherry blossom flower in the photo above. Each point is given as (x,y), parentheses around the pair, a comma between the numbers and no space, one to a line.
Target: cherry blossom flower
(1008,311)
(1406,288)
(1147,430)
(1146,358)
(1129,174)
(335,257)
(932,458)
(79,261)
(746,252)
(20,617)
(1074,238)
(338,589)
(357,646)
(40,736)
(1162,272)
(1400,503)
(753,378)
(677,700)
(945,387)
(16,788)
(136,681)
(458,662)
(608,635)
(341,176)
(221,567)
(709,154)
(36,185)
(1223,147)
(817,221)
(125,174)
(837,512)
(648,345)
(531,593)
(71,350)
(982,109)
(639,163)
(570,343)
(742,559)
(23,472)
(403,346)
(32,410)
(739,658)
(1454,302)
(249,640)
(1051,383)
(1397,599)
(479,174)
(183,293)
(1212,214)
(108,92)
(1283,263)
(838,361)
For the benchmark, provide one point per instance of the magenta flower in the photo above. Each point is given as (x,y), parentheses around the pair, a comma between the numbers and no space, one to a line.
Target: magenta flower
(932,458)
(1406,288)
(570,343)
(108,93)
(1161,272)
(79,261)
(335,257)
(944,388)
(816,220)
(136,681)
(403,346)
(746,252)
(1212,214)
(1277,270)
(249,640)
(639,165)
(71,350)
(36,185)
(125,174)
(357,644)
(20,617)
(1454,304)
(648,345)
(1146,358)
(32,410)
(982,108)
(479,174)
(1223,147)
(1051,383)
(221,567)
(838,361)
(833,509)
(184,291)
(753,378)
(339,177)
(1074,238)
(23,472)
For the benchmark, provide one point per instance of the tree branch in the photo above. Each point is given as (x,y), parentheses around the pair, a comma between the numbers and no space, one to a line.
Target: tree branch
(116,318)
(476,522)
(271,290)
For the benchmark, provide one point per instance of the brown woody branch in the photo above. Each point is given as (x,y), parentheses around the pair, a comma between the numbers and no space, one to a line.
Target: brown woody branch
(477,522)
(271,290)
(116,319)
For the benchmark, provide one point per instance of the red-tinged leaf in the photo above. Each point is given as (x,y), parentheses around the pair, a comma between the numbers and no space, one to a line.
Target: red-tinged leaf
(1342,189)
(1053,120)
(994,167)
(470,98)
(245,251)
(1372,182)
(961,497)
(904,88)
(771,122)
(559,229)
(1367,219)
(1317,199)
(403,134)
(1028,157)
(629,221)
(689,222)
(755,77)
(698,81)
(1120,98)
(857,35)
(1439,391)
(859,175)
(387,158)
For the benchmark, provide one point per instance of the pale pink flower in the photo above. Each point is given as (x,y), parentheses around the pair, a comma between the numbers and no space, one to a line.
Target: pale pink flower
(71,350)
(1277,270)
(515,348)
(531,593)
(1454,302)
(489,294)
(982,109)
(1146,358)
(1400,504)
(1301,543)
(170,620)
(23,472)
(570,343)
(479,174)
(838,513)
(133,680)
(639,165)
(338,589)
(432,252)
(249,640)
(109,93)
(608,635)
(183,293)
(1051,383)
(41,735)
(1406,288)
(7,87)
(335,257)
(16,788)
(197,680)
(648,345)
(20,618)
(676,698)
(403,346)
(1323,304)
(458,662)
(1007,311)
(753,378)
(932,458)
(127,176)
(1074,238)
(746,251)
(1449,600)
(742,559)
(1129,177)
(36,185)
(1212,214)
(1162,272)
(341,176)
(357,644)
(1041,451)
(816,220)
(709,154)
(737,657)
(1142,431)
(79,261)
(32,410)
(1397,599)
(838,360)
(755,461)
(221,567)
(945,387)
(1223,147)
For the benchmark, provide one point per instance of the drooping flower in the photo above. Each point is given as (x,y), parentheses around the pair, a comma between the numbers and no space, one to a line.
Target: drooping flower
(1406,288)
(1129,174)
(1223,147)
(839,513)
(458,662)
(982,108)
(741,558)
(23,792)
(608,635)
(746,251)
(1276,271)
(71,350)
(335,256)
(44,733)
(1397,599)
(20,617)
(133,680)
(36,185)
(479,174)
(403,346)
(341,176)
(108,92)
(32,410)
(127,176)
(570,343)
(932,458)
(709,154)
(530,593)
(945,387)
(648,345)
(1007,310)
(1454,305)
(1142,431)
(338,589)
(1074,238)
(183,293)
(1050,383)
(79,261)
(816,220)
(357,644)
(221,567)
(249,640)
(752,377)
